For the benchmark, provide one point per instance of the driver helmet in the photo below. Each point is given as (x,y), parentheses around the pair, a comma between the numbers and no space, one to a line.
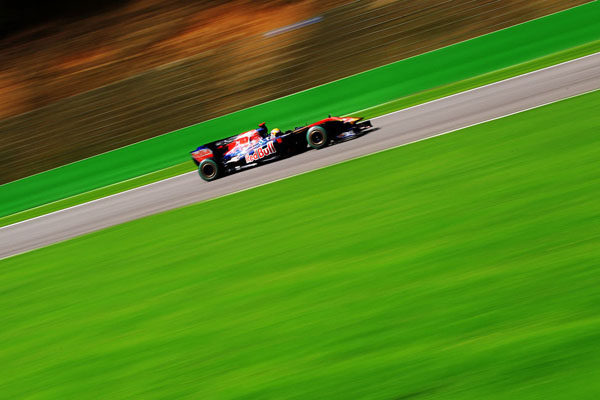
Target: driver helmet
(275,132)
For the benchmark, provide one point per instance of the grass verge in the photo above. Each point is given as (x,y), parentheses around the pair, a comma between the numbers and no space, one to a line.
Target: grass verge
(382,109)
(460,267)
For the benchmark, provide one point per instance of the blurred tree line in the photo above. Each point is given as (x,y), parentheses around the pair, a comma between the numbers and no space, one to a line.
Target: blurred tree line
(17,15)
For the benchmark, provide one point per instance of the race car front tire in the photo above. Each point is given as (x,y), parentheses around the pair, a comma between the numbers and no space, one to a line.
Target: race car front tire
(208,169)
(316,137)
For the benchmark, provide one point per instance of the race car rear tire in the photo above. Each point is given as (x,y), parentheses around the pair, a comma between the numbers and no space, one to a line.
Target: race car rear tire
(316,137)
(208,170)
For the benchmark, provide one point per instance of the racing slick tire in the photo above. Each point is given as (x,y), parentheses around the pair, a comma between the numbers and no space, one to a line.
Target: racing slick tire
(316,137)
(208,170)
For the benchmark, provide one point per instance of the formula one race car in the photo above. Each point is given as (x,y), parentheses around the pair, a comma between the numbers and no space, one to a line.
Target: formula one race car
(257,146)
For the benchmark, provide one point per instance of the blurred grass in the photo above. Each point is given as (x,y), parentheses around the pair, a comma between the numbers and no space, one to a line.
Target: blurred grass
(404,102)
(461,267)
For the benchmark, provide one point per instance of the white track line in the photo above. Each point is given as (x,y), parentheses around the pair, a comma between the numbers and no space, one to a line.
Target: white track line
(395,147)
(96,200)
(306,172)
(364,155)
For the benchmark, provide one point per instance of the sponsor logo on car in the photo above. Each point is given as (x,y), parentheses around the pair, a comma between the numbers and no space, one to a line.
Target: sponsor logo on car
(261,152)
(202,154)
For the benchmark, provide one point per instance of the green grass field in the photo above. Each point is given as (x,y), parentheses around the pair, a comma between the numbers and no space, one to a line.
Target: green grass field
(404,102)
(460,267)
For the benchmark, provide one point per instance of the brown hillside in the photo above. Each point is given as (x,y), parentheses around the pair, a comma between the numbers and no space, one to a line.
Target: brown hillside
(51,62)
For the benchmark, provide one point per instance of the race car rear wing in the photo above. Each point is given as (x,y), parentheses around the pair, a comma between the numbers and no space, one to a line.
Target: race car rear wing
(201,153)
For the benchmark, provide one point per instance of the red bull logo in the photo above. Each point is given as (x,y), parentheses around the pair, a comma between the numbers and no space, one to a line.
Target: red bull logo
(261,152)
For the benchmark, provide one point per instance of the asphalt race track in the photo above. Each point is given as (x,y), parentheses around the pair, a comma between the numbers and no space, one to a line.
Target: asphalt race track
(423,121)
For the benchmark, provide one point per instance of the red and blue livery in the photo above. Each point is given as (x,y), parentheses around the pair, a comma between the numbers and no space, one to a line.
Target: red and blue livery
(257,146)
